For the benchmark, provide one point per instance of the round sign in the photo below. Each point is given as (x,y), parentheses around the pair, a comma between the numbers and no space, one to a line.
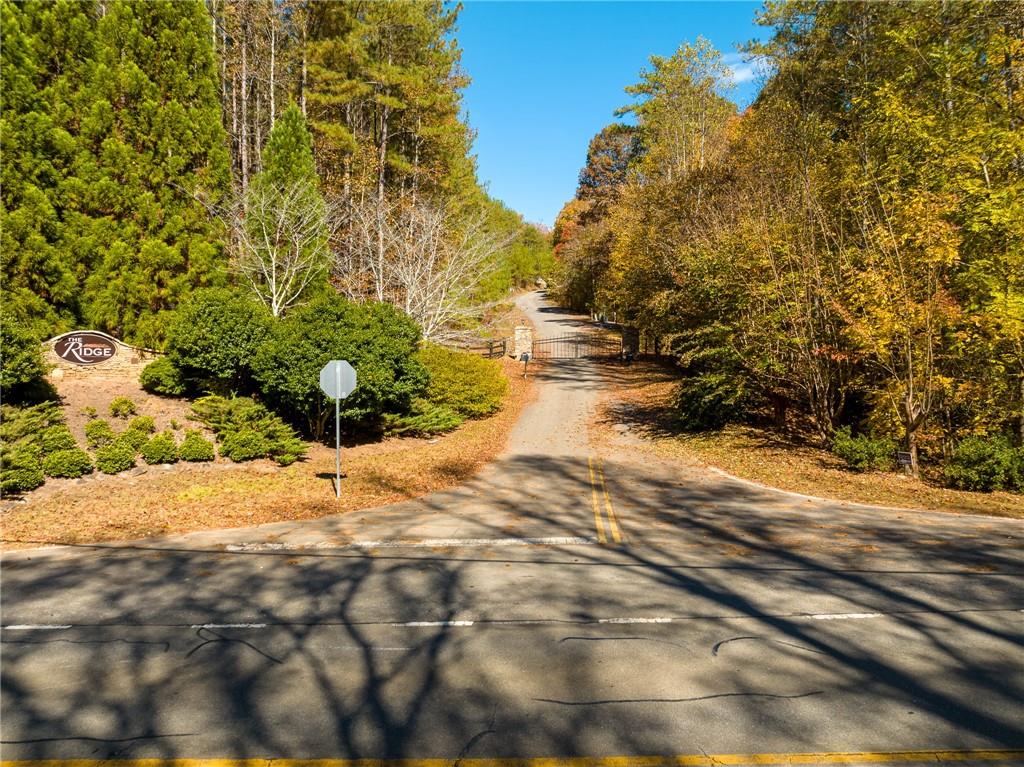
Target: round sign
(85,347)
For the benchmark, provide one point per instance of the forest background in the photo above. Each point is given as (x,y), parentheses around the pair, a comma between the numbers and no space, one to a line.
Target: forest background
(846,257)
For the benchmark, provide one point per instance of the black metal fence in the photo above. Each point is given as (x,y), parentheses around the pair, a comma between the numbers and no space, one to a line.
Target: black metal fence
(576,346)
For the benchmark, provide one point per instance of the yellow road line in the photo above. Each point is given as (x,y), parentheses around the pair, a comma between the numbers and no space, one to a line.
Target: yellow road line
(613,521)
(692,760)
(593,502)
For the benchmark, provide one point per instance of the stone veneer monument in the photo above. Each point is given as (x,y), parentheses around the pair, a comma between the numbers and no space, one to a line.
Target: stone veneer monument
(87,353)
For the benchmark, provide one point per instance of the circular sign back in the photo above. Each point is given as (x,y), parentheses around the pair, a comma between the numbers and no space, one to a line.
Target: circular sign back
(85,348)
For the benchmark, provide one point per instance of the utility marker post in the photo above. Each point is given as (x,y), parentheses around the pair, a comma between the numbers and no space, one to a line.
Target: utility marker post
(337,381)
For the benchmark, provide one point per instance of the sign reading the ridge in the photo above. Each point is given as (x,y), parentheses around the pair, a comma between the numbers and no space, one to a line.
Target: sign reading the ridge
(337,380)
(85,348)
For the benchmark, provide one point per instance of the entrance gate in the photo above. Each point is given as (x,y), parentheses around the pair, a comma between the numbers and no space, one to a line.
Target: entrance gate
(575,346)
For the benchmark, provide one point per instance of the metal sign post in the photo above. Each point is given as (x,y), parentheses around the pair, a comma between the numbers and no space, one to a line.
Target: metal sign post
(337,381)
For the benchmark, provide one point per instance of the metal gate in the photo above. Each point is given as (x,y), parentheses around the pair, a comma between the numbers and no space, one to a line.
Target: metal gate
(577,346)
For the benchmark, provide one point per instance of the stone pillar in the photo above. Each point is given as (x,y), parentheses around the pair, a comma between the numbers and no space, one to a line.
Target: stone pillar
(523,341)
(630,341)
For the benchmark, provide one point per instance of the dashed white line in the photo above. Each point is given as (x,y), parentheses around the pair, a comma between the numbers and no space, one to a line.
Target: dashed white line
(37,627)
(634,620)
(424,624)
(844,616)
(228,626)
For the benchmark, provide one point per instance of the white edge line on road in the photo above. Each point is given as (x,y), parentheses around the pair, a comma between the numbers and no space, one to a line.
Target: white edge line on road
(37,627)
(416,544)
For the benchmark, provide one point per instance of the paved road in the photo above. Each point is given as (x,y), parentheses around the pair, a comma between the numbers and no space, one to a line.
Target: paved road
(570,601)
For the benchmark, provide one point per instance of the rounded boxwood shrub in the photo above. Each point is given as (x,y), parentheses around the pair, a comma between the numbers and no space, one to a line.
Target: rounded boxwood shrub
(56,439)
(122,407)
(161,376)
(67,463)
(986,464)
(144,423)
(160,449)
(195,448)
(244,445)
(467,384)
(863,453)
(21,470)
(98,433)
(215,335)
(116,457)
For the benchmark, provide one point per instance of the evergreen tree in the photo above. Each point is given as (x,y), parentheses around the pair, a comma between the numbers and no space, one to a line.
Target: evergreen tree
(46,52)
(158,160)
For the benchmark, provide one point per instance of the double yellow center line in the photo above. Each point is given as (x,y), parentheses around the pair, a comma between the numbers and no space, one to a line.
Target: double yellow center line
(607,519)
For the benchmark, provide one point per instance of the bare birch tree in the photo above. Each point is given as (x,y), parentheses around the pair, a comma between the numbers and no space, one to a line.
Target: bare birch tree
(421,257)
(282,241)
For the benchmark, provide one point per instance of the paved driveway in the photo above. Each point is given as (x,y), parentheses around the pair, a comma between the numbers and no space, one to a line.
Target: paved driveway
(569,601)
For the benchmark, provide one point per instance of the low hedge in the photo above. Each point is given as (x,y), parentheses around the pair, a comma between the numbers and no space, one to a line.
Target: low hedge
(116,457)
(122,407)
(986,464)
(247,430)
(144,423)
(194,448)
(863,453)
(67,463)
(98,433)
(57,439)
(160,449)
(467,384)
(20,470)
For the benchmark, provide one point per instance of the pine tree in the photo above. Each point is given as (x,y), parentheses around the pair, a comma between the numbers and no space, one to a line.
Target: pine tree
(158,161)
(47,48)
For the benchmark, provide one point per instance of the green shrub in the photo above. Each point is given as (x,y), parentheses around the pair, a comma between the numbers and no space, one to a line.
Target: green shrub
(56,439)
(67,463)
(710,401)
(215,335)
(22,367)
(237,419)
(378,340)
(424,419)
(195,448)
(161,376)
(116,457)
(244,445)
(160,449)
(174,424)
(18,423)
(98,433)
(133,438)
(467,384)
(20,470)
(986,464)
(89,412)
(863,453)
(144,423)
(122,407)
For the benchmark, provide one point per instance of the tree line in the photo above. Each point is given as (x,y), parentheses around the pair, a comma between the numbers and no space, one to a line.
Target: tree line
(847,253)
(285,147)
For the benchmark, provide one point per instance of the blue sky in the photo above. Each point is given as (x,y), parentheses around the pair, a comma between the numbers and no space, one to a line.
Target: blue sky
(548,75)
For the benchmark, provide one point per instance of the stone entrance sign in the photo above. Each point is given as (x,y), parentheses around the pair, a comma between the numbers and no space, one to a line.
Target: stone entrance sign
(82,353)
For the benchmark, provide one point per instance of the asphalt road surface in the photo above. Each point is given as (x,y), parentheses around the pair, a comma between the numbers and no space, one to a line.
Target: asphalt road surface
(571,601)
